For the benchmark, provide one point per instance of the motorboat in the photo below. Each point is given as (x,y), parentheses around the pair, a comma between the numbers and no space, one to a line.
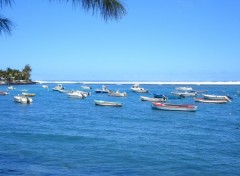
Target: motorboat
(86,87)
(138,89)
(153,99)
(29,94)
(107,103)
(202,100)
(45,86)
(10,88)
(117,93)
(184,88)
(185,94)
(103,90)
(3,93)
(216,97)
(22,99)
(159,96)
(78,94)
(58,87)
(174,107)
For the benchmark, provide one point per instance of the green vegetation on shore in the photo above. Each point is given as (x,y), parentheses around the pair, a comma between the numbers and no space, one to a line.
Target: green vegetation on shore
(14,76)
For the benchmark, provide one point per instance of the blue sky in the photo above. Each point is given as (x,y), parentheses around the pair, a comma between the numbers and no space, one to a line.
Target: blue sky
(158,40)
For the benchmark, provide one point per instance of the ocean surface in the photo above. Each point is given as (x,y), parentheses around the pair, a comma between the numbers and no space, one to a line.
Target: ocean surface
(58,135)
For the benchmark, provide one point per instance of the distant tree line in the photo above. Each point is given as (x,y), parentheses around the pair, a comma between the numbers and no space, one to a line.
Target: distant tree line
(13,75)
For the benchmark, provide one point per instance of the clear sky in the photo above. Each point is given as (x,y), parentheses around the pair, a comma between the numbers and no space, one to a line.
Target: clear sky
(158,40)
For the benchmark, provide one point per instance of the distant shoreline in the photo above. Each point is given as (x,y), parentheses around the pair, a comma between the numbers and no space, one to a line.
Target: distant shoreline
(20,83)
(143,82)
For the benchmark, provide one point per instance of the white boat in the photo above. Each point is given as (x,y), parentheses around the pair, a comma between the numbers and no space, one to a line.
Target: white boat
(174,107)
(58,87)
(152,99)
(210,101)
(184,88)
(86,87)
(103,90)
(29,94)
(117,93)
(185,94)
(45,86)
(3,93)
(22,99)
(216,97)
(78,94)
(138,89)
(107,103)
(11,88)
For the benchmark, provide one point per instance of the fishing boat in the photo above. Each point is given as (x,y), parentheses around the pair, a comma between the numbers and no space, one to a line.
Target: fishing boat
(202,100)
(117,93)
(173,107)
(107,103)
(184,88)
(58,87)
(217,97)
(138,89)
(22,99)
(29,94)
(152,99)
(103,90)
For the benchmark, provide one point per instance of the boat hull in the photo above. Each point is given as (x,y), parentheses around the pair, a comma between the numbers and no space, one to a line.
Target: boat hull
(201,100)
(174,107)
(107,103)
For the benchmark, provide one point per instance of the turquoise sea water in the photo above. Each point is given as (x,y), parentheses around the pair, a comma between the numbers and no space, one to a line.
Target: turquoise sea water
(57,135)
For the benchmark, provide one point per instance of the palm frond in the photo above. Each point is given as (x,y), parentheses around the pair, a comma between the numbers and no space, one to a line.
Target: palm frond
(5,25)
(5,3)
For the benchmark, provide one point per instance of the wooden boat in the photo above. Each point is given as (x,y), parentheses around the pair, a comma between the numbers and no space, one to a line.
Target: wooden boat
(216,97)
(107,103)
(152,99)
(174,107)
(22,99)
(117,93)
(138,89)
(103,90)
(210,101)
(28,94)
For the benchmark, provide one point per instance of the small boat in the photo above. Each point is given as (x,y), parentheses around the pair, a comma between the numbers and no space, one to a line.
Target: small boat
(138,89)
(45,86)
(86,87)
(10,88)
(107,103)
(22,99)
(173,107)
(78,94)
(153,99)
(159,96)
(185,94)
(217,97)
(117,93)
(28,94)
(210,101)
(103,90)
(24,90)
(3,93)
(184,88)
(58,87)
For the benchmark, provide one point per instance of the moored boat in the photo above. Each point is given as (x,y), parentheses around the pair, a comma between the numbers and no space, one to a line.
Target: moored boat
(3,93)
(184,88)
(185,94)
(103,90)
(174,107)
(58,87)
(216,97)
(10,88)
(44,86)
(29,94)
(86,87)
(78,94)
(138,89)
(22,99)
(143,98)
(107,103)
(223,101)
(117,93)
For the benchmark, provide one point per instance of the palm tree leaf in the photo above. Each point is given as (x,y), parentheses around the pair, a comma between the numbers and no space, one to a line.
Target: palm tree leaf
(5,25)
(5,2)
